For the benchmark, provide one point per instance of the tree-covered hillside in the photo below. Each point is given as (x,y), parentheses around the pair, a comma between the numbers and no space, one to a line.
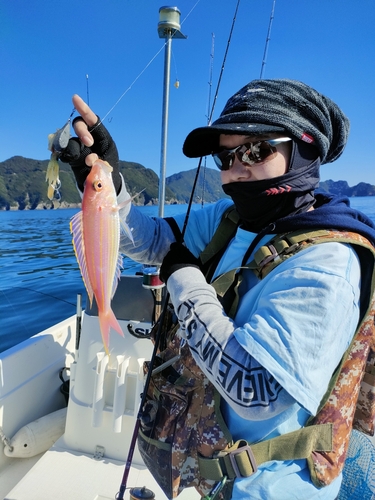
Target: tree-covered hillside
(23,185)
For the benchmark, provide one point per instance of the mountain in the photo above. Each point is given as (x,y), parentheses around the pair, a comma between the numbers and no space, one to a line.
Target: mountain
(138,178)
(23,185)
(208,185)
(342,188)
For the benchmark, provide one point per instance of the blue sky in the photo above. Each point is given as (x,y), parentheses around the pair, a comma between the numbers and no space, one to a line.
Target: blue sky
(48,48)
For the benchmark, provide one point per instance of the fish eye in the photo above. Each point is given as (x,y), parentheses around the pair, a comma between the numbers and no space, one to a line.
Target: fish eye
(98,185)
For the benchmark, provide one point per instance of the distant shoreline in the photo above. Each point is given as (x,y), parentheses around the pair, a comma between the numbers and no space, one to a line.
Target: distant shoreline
(23,186)
(63,205)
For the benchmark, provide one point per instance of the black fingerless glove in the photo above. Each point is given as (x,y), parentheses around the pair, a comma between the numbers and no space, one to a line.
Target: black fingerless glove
(177,258)
(104,146)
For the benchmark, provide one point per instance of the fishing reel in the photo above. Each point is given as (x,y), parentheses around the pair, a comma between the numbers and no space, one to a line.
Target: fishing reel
(151,281)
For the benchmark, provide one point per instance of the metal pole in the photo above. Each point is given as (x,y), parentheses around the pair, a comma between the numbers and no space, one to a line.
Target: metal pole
(164,129)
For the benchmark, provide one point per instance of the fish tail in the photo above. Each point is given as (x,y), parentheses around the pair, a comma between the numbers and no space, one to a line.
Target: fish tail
(107,321)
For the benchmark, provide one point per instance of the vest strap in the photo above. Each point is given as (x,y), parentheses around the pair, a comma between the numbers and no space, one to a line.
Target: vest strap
(225,230)
(242,460)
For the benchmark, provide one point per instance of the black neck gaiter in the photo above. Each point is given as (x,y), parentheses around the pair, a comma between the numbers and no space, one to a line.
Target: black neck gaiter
(260,203)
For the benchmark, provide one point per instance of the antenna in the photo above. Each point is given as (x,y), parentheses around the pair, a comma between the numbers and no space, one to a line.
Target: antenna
(267,40)
(87,90)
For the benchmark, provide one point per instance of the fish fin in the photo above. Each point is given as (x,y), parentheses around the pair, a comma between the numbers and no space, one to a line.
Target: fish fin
(79,250)
(126,229)
(126,202)
(117,275)
(124,226)
(107,321)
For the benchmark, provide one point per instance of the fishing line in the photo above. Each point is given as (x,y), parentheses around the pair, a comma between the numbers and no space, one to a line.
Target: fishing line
(141,73)
(191,10)
(130,86)
(37,291)
(22,323)
(14,308)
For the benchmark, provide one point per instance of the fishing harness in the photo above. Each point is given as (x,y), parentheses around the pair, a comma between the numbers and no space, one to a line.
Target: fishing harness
(213,464)
(324,439)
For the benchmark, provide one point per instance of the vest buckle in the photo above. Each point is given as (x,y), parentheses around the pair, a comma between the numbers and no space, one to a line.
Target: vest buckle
(240,460)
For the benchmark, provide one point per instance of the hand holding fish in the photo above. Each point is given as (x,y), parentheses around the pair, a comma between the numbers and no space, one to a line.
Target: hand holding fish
(93,141)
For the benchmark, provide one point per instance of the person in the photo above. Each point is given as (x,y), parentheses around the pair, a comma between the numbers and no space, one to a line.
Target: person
(275,358)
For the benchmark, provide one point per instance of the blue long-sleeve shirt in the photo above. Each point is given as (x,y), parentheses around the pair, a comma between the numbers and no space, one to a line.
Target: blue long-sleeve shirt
(274,360)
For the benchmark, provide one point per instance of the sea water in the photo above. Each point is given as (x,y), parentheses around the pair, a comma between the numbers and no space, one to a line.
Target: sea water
(39,274)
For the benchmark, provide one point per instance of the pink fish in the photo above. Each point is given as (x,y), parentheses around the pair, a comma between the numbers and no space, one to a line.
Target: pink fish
(96,240)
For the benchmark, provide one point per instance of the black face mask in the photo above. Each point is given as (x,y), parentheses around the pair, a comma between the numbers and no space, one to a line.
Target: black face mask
(260,203)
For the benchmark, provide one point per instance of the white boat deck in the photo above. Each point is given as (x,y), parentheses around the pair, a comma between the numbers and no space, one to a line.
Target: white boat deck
(13,471)
(68,475)
(104,399)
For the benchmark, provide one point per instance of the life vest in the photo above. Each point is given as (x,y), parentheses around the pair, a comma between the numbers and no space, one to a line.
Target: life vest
(183,438)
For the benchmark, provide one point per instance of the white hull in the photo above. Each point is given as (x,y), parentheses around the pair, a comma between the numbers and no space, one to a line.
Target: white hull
(87,461)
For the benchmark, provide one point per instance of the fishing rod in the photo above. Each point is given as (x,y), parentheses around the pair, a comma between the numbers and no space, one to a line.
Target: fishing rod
(161,320)
(210,117)
(216,95)
(267,40)
(133,442)
(208,108)
(210,76)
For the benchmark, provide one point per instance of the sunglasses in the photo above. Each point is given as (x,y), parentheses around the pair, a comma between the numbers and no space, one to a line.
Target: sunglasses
(249,153)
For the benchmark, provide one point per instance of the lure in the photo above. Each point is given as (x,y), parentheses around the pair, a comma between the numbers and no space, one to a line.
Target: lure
(57,142)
